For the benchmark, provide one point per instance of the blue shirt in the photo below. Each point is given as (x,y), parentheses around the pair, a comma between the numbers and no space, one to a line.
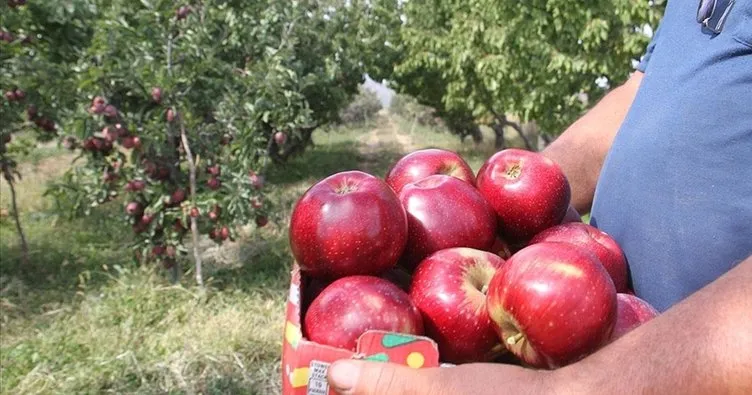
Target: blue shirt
(676,187)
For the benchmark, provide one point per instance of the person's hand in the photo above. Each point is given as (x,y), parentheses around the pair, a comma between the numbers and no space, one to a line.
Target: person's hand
(352,377)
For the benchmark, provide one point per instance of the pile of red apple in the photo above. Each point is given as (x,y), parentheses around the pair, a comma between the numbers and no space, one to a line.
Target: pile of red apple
(493,266)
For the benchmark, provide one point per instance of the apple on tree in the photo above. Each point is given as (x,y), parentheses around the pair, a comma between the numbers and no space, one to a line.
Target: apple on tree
(423,163)
(346,224)
(444,212)
(280,138)
(552,304)
(156,94)
(528,191)
(350,306)
(594,240)
(449,288)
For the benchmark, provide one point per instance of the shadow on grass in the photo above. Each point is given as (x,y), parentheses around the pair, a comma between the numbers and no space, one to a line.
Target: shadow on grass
(63,255)
(261,264)
(324,160)
(317,162)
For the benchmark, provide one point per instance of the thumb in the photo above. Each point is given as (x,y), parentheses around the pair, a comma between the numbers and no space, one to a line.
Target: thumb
(353,377)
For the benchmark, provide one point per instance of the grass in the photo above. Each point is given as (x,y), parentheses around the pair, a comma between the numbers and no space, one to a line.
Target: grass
(82,318)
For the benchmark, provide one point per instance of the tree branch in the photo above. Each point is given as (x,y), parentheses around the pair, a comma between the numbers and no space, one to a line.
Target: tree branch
(518,128)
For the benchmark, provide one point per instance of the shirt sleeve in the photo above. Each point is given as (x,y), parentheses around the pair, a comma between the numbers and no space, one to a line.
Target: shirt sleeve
(643,65)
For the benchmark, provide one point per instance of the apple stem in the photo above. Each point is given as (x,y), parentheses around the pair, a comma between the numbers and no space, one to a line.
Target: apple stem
(484,289)
(512,340)
(514,171)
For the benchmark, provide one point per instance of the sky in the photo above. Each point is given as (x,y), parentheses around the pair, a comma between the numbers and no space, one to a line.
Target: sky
(385,94)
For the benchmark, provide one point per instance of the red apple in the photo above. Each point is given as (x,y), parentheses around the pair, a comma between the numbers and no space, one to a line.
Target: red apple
(224,233)
(350,306)
(97,105)
(10,96)
(280,138)
(183,12)
(178,196)
(156,94)
(346,224)
(147,218)
(631,312)
(109,134)
(423,163)
(213,216)
(134,208)
(261,221)
(552,304)
(214,170)
(158,250)
(121,129)
(595,241)
(110,111)
(20,95)
(130,142)
(171,115)
(135,185)
(214,183)
(449,288)
(528,191)
(444,212)
(571,216)
(195,212)
(257,181)
(256,202)
(89,145)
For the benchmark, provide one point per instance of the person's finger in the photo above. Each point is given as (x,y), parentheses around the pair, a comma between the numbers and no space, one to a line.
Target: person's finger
(352,377)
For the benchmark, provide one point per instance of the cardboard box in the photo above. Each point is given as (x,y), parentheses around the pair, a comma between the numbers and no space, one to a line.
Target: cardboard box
(304,363)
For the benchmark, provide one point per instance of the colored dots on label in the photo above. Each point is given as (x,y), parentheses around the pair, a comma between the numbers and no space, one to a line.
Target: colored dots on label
(393,340)
(380,357)
(415,360)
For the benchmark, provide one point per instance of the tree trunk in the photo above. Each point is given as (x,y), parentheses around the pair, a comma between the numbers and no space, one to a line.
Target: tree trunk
(17,218)
(498,130)
(505,122)
(194,225)
(476,134)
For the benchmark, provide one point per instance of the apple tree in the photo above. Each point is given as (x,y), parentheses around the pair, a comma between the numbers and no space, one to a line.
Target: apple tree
(545,61)
(181,107)
(39,43)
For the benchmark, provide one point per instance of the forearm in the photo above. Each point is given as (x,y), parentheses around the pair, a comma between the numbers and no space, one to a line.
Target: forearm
(702,345)
(581,149)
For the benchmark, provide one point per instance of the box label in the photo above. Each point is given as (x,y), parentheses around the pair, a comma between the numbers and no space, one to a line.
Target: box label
(317,383)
